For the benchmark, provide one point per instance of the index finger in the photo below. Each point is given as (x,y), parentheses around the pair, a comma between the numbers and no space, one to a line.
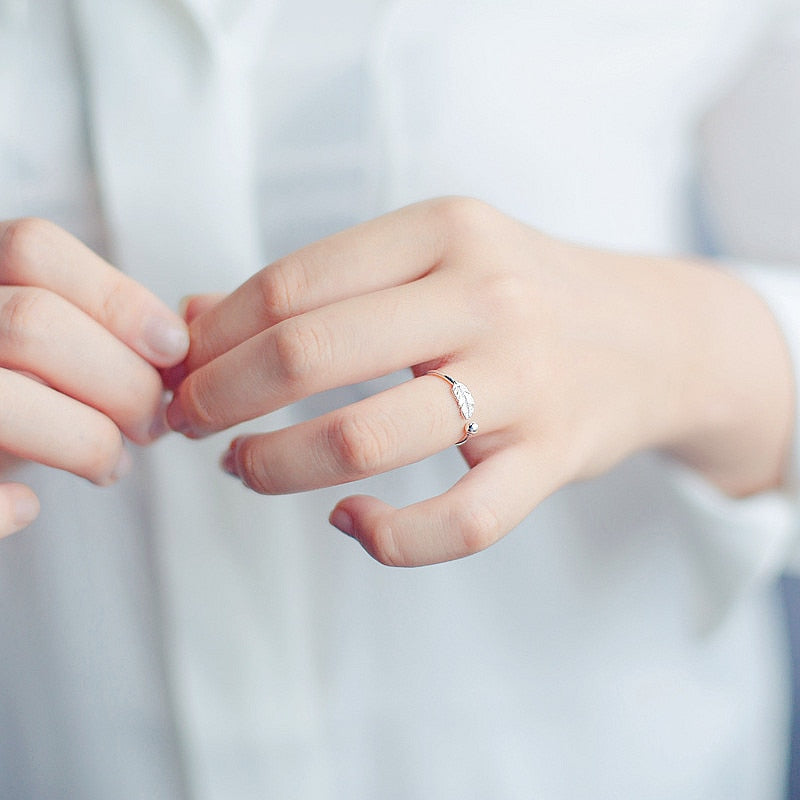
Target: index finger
(388,251)
(35,252)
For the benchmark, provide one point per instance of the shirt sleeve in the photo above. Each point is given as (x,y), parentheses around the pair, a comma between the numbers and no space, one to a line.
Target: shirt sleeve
(749,182)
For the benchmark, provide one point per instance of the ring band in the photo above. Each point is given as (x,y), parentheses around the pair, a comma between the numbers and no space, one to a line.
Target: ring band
(465,400)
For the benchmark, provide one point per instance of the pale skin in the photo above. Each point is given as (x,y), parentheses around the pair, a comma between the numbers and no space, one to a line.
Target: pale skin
(81,346)
(576,358)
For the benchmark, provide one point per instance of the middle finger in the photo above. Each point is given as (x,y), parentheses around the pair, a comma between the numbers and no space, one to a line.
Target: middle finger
(46,336)
(351,341)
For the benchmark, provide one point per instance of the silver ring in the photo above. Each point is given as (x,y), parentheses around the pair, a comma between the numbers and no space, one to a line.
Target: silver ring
(465,400)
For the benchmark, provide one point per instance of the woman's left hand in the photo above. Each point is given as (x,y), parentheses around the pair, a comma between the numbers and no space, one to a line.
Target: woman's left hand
(576,359)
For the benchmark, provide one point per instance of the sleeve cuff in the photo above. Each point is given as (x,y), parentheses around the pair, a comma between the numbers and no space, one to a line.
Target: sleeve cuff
(739,544)
(779,288)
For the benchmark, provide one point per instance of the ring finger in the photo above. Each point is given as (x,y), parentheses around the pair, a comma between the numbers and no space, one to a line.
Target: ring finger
(399,426)
(46,336)
(40,424)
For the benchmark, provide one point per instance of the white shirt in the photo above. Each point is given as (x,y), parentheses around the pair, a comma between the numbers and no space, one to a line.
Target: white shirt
(179,637)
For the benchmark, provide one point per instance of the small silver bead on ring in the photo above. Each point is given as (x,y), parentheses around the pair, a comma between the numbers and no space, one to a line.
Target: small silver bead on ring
(466,403)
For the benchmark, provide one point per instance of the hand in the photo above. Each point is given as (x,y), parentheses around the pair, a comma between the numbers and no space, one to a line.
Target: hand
(80,344)
(576,359)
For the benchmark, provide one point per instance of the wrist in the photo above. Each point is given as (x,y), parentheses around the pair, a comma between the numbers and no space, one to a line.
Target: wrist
(733,398)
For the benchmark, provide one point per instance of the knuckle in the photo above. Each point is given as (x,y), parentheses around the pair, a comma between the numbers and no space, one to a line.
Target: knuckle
(279,286)
(23,313)
(477,526)
(361,444)
(21,244)
(115,299)
(462,215)
(505,293)
(301,350)
(274,291)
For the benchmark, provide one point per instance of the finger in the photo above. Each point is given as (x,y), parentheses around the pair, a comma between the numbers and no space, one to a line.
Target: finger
(37,253)
(391,429)
(350,341)
(19,506)
(388,251)
(42,425)
(193,306)
(488,502)
(43,334)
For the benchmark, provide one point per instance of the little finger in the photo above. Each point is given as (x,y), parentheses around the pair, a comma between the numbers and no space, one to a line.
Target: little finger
(488,502)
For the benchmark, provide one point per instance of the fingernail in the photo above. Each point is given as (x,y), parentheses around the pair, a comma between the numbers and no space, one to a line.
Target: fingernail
(25,510)
(167,338)
(123,466)
(340,519)
(228,462)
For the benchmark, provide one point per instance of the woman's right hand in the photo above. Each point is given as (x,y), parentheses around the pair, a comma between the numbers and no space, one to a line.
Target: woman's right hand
(80,349)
